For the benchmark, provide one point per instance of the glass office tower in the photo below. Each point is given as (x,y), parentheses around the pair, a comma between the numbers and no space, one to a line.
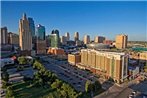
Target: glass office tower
(40,32)
(31,26)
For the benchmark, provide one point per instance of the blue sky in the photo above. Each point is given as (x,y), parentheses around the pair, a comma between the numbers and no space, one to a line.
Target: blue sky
(95,18)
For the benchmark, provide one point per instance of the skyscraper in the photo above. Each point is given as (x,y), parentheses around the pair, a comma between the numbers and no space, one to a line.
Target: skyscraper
(31,26)
(76,36)
(121,41)
(4,34)
(40,32)
(41,42)
(25,36)
(86,39)
(55,32)
(67,36)
(32,30)
(63,40)
(54,40)
(55,37)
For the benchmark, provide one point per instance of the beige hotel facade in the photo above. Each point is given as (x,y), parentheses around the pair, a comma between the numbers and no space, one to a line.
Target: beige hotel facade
(106,64)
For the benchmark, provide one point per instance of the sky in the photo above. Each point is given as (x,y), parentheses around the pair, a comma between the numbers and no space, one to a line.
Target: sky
(97,18)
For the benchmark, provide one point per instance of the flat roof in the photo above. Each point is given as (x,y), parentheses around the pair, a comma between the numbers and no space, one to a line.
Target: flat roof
(116,53)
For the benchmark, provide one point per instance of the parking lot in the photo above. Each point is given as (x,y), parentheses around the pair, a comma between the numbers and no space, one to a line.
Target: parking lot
(16,76)
(71,74)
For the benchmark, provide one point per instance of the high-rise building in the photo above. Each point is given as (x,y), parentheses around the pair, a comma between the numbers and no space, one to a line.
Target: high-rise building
(76,36)
(48,41)
(41,47)
(40,40)
(63,40)
(108,64)
(121,41)
(67,36)
(13,38)
(32,29)
(57,34)
(31,26)
(4,34)
(86,39)
(40,32)
(54,40)
(99,39)
(25,36)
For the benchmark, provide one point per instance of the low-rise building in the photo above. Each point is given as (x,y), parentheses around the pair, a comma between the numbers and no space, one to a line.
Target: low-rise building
(74,58)
(55,51)
(108,42)
(133,71)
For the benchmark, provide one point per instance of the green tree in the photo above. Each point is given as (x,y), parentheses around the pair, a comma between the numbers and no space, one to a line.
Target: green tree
(59,83)
(9,92)
(22,60)
(5,76)
(97,85)
(63,94)
(37,65)
(88,86)
(20,68)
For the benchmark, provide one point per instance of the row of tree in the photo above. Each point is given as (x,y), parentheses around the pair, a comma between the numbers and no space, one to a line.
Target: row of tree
(45,78)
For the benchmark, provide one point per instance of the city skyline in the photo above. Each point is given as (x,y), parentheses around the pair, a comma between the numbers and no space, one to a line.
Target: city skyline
(83,17)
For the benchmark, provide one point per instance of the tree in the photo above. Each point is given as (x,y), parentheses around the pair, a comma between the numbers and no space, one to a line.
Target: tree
(97,85)
(111,79)
(22,60)
(37,65)
(9,93)
(5,76)
(63,94)
(88,86)
(58,83)
(20,68)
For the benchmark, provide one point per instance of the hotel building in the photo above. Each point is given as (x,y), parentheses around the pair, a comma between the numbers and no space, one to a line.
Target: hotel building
(106,64)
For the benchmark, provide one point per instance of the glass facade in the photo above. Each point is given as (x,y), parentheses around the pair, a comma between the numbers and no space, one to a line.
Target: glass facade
(40,32)
(31,26)
(54,40)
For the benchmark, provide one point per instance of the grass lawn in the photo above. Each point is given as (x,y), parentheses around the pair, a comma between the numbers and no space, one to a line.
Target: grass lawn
(25,90)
